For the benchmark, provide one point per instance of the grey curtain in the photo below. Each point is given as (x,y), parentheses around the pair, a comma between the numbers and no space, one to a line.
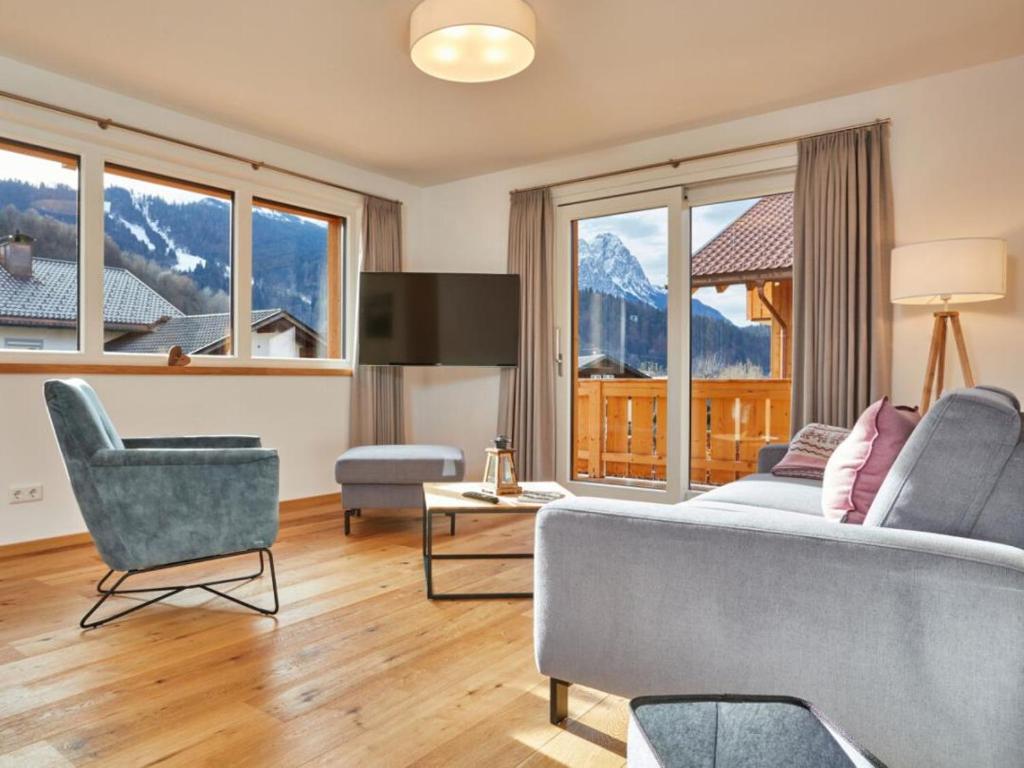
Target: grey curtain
(843,219)
(378,412)
(526,410)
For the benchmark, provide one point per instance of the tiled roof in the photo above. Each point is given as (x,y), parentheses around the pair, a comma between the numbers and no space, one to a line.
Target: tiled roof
(51,294)
(191,332)
(759,241)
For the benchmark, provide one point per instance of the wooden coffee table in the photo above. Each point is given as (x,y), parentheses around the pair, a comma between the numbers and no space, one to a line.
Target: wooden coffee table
(447,499)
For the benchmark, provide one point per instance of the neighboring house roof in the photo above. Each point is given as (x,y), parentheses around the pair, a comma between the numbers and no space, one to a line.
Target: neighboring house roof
(197,334)
(50,297)
(759,244)
(601,360)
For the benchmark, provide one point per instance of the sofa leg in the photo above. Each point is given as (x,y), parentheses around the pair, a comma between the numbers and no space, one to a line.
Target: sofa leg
(559,701)
(348,520)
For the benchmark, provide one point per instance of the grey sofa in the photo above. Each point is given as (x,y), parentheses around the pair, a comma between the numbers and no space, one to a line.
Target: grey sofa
(155,502)
(907,631)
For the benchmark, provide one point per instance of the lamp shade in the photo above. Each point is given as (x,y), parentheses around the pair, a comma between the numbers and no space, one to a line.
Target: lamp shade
(471,41)
(949,271)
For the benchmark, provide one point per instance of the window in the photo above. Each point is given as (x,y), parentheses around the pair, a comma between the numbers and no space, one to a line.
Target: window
(39,283)
(166,265)
(159,257)
(296,282)
(740,333)
(21,343)
(621,347)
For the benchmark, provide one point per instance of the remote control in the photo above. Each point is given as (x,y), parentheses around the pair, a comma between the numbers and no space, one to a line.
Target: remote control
(481,496)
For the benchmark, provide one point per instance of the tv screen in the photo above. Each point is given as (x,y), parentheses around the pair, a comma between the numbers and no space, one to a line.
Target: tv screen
(437,318)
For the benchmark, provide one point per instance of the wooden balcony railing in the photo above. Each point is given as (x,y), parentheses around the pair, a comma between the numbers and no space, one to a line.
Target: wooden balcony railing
(622,427)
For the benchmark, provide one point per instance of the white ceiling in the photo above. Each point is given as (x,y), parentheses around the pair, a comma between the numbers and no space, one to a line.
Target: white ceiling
(334,76)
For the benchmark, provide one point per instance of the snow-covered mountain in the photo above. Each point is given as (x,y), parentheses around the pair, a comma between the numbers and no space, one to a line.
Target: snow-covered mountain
(607,266)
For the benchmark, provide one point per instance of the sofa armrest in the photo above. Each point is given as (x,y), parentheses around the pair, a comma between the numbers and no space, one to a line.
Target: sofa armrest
(770,455)
(165,457)
(194,441)
(886,631)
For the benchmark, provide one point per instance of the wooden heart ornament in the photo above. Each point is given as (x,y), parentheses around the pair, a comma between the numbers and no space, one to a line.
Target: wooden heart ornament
(177,357)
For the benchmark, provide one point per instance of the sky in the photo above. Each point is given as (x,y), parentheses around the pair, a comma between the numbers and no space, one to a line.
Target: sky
(645,234)
(36,170)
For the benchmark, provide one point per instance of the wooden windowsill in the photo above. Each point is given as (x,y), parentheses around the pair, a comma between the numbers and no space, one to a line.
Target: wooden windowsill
(121,369)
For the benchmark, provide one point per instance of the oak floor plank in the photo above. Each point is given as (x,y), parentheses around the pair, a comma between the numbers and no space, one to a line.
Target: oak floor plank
(358,668)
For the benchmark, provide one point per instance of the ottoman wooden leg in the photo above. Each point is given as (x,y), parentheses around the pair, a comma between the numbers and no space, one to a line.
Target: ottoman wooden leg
(349,514)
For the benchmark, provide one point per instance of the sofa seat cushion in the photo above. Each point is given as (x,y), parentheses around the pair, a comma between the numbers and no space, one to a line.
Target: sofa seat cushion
(767,491)
(400,464)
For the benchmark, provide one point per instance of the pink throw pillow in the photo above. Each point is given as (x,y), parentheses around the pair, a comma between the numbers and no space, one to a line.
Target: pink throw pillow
(859,464)
(809,451)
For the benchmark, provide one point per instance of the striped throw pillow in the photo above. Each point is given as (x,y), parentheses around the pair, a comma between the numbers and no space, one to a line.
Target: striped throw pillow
(809,451)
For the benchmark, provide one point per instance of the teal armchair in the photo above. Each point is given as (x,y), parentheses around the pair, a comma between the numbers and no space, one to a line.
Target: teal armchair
(157,502)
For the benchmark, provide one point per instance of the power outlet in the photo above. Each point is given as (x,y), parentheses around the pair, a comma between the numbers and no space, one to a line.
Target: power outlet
(20,494)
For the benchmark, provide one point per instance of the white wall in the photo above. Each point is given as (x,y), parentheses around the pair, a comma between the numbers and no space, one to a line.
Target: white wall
(304,417)
(958,170)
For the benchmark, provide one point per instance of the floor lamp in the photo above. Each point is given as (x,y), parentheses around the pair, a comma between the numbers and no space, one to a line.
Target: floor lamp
(944,272)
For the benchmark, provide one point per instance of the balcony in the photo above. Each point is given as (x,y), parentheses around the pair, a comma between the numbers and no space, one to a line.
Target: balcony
(622,435)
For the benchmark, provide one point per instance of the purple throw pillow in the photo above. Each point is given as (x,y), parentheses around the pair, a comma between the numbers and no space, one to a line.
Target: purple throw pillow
(809,451)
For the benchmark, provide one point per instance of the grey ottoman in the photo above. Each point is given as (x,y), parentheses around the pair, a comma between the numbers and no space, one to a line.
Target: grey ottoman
(392,476)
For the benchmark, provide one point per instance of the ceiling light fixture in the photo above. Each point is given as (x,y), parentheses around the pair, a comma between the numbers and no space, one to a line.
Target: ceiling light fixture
(472,41)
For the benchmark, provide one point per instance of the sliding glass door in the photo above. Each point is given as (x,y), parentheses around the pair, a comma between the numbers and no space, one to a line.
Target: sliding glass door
(675,318)
(624,262)
(741,278)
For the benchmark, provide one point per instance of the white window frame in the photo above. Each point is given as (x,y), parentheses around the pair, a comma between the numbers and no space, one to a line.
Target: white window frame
(734,177)
(152,156)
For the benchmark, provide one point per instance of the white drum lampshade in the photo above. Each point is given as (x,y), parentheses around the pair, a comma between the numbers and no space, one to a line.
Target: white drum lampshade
(949,271)
(472,41)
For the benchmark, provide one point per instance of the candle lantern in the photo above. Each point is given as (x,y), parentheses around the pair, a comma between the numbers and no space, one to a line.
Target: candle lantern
(500,476)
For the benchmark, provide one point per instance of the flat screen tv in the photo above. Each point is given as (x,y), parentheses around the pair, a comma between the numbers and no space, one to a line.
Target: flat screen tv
(438,318)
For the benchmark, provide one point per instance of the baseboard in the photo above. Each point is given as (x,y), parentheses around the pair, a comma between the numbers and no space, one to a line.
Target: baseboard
(43,545)
(78,539)
(306,502)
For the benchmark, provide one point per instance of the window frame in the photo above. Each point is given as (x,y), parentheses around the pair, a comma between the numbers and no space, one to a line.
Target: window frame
(187,186)
(755,173)
(194,168)
(337,227)
(63,157)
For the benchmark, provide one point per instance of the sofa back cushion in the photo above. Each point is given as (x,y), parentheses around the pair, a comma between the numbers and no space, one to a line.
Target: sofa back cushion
(860,464)
(946,478)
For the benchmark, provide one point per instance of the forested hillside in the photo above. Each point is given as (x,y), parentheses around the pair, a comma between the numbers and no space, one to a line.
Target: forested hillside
(182,250)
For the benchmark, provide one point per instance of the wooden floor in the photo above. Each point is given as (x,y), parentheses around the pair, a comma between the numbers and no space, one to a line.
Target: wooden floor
(357,669)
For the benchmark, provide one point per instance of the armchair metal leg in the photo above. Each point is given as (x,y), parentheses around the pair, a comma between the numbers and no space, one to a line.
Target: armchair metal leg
(168,591)
(558,699)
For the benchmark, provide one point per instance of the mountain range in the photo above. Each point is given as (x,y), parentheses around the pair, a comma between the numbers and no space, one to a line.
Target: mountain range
(621,313)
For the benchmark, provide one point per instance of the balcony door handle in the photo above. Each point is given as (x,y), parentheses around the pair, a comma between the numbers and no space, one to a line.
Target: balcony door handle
(559,360)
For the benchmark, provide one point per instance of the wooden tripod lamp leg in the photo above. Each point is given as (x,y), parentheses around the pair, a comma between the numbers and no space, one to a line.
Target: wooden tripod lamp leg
(940,369)
(961,349)
(933,360)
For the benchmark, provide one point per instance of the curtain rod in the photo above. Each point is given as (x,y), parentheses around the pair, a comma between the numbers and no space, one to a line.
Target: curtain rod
(675,162)
(105,122)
